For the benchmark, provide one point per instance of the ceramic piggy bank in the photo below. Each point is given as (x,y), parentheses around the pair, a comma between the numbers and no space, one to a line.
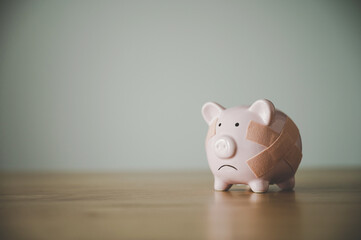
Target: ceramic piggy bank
(256,145)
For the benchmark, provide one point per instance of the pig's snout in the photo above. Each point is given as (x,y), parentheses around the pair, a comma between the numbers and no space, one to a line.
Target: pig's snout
(225,147)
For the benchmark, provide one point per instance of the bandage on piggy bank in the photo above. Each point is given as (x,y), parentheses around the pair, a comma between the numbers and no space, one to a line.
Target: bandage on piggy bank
(256,145)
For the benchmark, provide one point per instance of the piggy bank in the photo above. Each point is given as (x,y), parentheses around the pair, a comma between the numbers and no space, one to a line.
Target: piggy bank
(256,145)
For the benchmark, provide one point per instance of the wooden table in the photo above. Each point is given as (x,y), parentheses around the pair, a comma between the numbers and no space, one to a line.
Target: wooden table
(326,204)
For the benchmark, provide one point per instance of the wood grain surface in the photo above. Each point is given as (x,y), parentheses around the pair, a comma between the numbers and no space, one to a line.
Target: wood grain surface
(326,204)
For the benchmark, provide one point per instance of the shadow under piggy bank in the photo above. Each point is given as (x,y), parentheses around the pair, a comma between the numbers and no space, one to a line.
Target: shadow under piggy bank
(242,214)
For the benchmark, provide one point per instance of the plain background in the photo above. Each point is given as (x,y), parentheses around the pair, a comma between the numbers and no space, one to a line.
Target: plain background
(119,85)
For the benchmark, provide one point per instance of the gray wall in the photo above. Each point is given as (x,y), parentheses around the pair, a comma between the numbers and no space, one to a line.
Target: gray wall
(119,85)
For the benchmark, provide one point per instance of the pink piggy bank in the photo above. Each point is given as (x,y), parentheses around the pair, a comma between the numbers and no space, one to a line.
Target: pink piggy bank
(256,145)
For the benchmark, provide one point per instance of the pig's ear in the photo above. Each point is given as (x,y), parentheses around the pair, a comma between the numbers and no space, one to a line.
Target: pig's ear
(211,111)
(265,109)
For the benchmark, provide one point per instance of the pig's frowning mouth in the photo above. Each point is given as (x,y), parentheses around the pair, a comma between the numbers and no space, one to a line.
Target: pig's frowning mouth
(227,166)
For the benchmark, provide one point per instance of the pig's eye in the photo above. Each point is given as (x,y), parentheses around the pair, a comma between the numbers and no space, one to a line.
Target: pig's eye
(219,124)
(237,124)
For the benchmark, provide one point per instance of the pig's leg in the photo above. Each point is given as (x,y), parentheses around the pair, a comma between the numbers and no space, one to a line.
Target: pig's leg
(289,184)
(259,185)
(219,185)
